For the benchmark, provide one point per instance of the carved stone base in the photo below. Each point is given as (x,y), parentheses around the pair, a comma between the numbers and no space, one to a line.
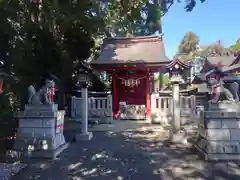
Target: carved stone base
(218,150)
(228,106)
(40,132)
(84,136)
(49,154)
(132,112)
(179,138)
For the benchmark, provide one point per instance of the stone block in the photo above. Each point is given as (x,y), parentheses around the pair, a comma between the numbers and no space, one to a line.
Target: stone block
(84,136)
(238,114)
(214,134)
(224,147)
(221,114)
(34,122)
(218,134)
(224,106)
(230,114)
(39,133)
(212,114)
(230,123)
(218,147)
(213,123)
(44,132)
(235,134)
(41,107)
(25,132)
(39,114)
(228,147)
(48,122)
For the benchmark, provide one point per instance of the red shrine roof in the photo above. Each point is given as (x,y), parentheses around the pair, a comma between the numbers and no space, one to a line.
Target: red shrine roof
(134,50)
(227,62)
(223,61)
(235,65)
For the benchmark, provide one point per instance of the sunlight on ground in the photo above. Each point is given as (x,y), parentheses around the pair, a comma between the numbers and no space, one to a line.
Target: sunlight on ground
(99,156)
(141,155)
(74,166)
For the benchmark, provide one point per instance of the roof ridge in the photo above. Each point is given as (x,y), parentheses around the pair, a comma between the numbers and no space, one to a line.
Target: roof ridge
(133,39)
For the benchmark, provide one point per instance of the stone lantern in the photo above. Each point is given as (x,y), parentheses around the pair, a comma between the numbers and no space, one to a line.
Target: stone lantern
(83,82)
(176,69)
(175,80)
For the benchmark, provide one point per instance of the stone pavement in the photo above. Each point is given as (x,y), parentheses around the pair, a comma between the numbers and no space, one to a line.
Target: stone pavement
(128,156)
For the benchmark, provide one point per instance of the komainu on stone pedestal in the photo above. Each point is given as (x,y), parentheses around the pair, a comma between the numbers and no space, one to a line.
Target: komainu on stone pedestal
(41,96)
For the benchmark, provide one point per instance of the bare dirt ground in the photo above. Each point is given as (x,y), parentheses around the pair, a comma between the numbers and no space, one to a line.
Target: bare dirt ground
(127,155)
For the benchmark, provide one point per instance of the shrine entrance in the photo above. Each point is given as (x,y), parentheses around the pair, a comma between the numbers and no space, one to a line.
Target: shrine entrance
(131,63)
(131,89)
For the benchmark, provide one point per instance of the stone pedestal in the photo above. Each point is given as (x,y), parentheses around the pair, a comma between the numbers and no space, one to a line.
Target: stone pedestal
(40,132)
(84,136)
(219,131)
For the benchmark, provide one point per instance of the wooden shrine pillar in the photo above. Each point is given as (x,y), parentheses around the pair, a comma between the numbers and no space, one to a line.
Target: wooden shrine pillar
(148,102)
(114,95)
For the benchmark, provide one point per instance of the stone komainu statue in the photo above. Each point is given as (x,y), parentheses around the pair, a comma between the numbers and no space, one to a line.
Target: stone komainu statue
(41,96)
(220,92)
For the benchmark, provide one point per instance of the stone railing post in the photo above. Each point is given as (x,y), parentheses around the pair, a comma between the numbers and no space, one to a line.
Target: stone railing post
(200,113)
(73,107)
(176,108)
(153,101)
(84,127)
(109,106)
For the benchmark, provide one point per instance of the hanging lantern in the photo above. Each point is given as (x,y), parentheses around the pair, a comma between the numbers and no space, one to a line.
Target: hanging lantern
(1,86)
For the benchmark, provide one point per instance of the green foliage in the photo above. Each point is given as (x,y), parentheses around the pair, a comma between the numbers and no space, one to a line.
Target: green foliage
(39,37)
(235,47)
(189,43)
(166,80)
(135,17)
(8,123)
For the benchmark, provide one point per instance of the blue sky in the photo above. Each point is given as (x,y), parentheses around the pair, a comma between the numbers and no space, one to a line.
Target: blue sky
(211,21)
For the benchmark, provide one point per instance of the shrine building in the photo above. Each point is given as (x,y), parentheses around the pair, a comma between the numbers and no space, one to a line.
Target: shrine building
(131,63)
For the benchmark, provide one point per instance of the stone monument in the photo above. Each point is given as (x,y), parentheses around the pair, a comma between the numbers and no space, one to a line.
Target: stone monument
(40,131)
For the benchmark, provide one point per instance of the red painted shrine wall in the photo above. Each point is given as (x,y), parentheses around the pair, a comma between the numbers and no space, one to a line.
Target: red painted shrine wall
(125,91)
(131,94)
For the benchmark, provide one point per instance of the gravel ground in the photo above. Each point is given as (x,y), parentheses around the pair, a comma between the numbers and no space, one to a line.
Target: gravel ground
(128,156)
(7,170)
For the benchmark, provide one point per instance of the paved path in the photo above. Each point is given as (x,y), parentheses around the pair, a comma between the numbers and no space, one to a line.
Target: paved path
(127,156)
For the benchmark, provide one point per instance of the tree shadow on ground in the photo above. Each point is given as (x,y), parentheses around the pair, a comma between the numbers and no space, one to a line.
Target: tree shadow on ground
(130,156)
